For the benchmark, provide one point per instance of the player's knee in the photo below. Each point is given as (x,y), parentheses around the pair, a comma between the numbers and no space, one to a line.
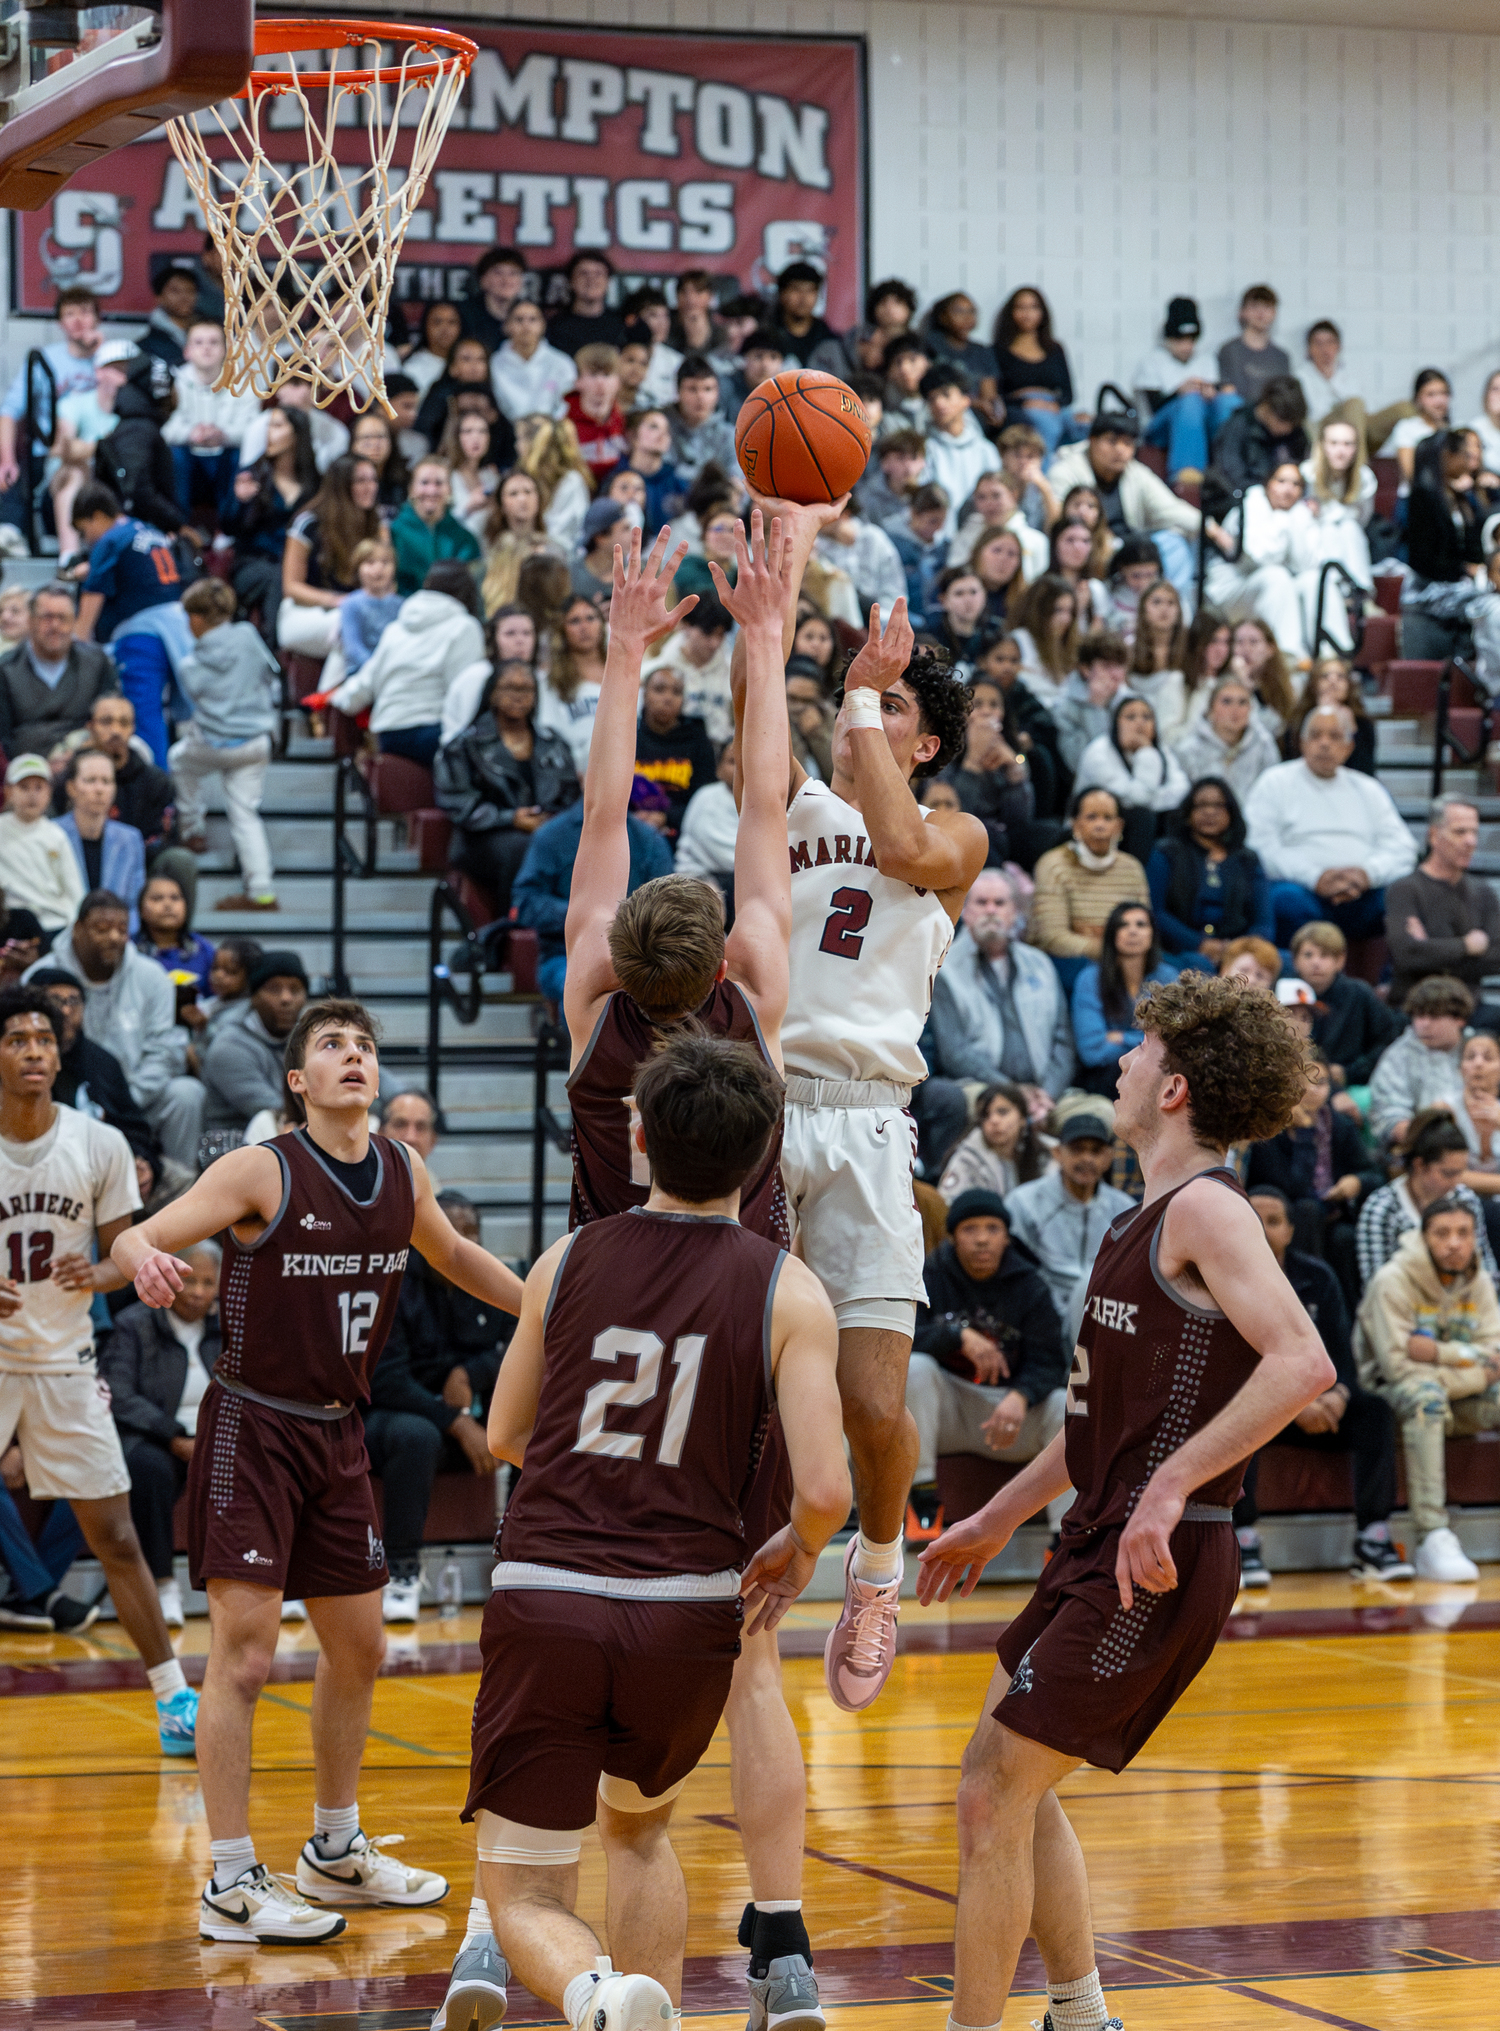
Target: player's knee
(112,1539)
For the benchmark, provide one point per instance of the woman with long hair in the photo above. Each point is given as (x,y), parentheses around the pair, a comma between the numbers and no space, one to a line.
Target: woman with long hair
(1271,571)
(1157,657)
(1229,740)
(1131,762)
(1046,632)
(317,566)
(548,449)
(469,449)
(575,672)
(1332,682)
(371,437)
(1033,367)
(1257,656)
(950,327)
(266,497)
(1477,1110)
(1207,886)
(1340,500)
(1002,1149)
(1106,991)
(1070,556)
(998,562)
(543,590)
(1486,427)
(1083,504)
(513,532)
(501,780)
(1447,580)
(1432,393)
(442,328)
(1210,644)
(815,639)
(1027,726)
(467,371)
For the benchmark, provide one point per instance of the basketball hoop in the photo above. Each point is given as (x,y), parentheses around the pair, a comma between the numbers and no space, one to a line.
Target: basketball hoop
(310,259)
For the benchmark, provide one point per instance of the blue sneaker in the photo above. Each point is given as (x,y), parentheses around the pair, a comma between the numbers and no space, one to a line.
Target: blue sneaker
(177,1719)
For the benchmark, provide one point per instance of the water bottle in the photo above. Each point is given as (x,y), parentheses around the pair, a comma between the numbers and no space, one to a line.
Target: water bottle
(451,1588)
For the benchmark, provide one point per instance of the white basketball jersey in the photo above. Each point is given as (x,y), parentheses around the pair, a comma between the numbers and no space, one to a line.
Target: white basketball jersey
(865,951)
(54,1193)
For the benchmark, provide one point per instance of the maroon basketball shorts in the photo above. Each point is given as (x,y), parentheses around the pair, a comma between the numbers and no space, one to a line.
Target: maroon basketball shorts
(1093,1681)
(282,1501)
(768,1506)
(576,1686)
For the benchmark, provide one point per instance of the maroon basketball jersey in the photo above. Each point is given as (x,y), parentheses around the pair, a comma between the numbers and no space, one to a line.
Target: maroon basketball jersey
(1149,1370)
(609,1173)
(306,1307)
(656,1387)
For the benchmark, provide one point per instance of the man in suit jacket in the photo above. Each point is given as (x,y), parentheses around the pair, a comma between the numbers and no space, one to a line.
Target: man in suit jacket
(49,682)
(157,1365)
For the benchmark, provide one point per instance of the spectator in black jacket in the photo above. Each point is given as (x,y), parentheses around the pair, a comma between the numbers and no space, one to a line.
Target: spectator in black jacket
(1447,580)
(157,1365)
(1344,1419)
(1322,1167)
(1355,1026)
(436,1371)
(501,780)
(672,747)
(36,710)
(135,460)
(1255,441)
(988,1369)
(92,1078)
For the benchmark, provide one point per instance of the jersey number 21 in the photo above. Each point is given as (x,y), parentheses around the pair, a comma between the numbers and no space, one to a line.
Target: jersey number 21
(687,1360)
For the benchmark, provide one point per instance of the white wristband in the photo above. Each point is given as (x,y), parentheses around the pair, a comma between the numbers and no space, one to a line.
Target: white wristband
(862,706)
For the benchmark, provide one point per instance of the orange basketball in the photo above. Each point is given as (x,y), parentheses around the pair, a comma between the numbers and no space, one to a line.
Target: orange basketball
(802,436)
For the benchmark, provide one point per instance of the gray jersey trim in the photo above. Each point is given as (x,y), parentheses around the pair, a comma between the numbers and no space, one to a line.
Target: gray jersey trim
(562,1263)
(249,1247)
(765,1331)
(588,1049)
(364,1205)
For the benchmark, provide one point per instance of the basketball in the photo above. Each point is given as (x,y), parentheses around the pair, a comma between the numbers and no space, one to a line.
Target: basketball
(802,436)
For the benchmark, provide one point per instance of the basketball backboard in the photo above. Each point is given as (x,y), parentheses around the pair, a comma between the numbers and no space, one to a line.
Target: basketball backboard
(78,80)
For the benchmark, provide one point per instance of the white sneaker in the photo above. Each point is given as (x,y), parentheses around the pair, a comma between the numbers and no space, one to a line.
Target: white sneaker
(293,1611)
(625,2003)
(401,1600)
(170,1595)
(1440,1556)
(258,1906)
(364,1875)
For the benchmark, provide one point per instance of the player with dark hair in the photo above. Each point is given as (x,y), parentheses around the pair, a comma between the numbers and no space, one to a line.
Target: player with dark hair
(1194,1351)
(637,965)
(635,1396)
(877,886)
(320,1222)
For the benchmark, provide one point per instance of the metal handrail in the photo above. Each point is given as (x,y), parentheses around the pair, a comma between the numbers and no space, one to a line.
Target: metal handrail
(1445,741)
(465,1003)
(347,858)
(32,433)
(1351,584)
(551,1055)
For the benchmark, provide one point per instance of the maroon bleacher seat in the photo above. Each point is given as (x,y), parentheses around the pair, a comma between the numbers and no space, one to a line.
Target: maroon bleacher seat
(400,786)
(1387,480)
(1381,643)
(1411,687)
(1388,592)
(431,833)
(1153,458)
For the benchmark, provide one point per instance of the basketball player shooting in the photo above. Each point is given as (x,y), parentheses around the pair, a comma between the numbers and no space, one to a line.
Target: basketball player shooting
(634,1397)
(320,1221)
(66,1180)
(877,885)
(1194,1351)
(638,965)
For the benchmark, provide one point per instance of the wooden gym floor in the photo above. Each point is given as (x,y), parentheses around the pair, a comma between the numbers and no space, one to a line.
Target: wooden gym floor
(1310,1838)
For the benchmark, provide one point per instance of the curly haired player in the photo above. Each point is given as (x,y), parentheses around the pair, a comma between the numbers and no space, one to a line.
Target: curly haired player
(1194,1351)
(877,885)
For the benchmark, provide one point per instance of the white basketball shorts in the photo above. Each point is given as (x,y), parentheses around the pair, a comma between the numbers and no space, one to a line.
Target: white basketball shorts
(67,1436)
(848,1167)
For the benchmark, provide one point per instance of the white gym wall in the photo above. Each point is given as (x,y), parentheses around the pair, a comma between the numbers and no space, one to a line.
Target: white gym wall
(1119,158)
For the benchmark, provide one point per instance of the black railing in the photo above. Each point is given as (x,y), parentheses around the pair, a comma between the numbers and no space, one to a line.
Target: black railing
(38,427)
(1236,499)
(442,988)
(1323,633)
(1446,744)
(347,858)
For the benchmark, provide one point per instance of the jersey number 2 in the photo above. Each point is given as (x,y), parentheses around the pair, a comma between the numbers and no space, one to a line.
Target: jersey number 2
(687,1360)
(848,917)
(357,1309)
(30,1257)
(1078,1381)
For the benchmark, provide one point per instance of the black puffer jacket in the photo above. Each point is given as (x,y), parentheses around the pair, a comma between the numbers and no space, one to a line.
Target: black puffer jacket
(481,785)
(135,460)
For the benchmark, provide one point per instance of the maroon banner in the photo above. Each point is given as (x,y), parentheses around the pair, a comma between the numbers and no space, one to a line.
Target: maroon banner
(732,153)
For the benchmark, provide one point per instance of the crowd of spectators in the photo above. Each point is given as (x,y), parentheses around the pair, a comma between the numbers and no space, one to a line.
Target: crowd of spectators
(1165,782)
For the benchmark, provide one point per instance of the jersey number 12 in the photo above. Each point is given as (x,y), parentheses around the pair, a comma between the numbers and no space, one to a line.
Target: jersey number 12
(30,1256)
(357,1309)
(687,1360)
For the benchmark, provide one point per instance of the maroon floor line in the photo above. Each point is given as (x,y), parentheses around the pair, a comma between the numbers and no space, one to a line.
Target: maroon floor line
(957,1639)
(1234,1957)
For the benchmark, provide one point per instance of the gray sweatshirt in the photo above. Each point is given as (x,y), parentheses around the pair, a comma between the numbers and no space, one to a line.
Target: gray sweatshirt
(233,680)
(1064,1234)
(134,1015)
(243,1071)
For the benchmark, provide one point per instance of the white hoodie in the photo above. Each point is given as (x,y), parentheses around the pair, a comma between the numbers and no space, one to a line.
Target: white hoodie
(429,643)
(198,402)
(958,464)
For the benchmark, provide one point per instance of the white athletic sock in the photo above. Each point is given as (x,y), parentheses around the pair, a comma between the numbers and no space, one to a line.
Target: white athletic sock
(334,1827)
(231,1859)
(774,1904)
(166,1679)
(876,1562)
(1078,2006)
(577,1994)
(479,1926)
(954,2025)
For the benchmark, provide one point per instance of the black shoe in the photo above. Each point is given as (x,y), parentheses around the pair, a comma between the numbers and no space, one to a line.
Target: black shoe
(70,1617)
(1376,1558)
(32,1615)
(1254,1572)
(924,1514)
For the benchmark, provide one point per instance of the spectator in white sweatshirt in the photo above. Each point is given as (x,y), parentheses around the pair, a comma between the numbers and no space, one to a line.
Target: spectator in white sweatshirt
(993,505)
(530,377)
(958,452)
(1329,838)
(38,868)
(208,426)
(866,554)
(1130,761)
(710,825)
(436,636)
(1274,577)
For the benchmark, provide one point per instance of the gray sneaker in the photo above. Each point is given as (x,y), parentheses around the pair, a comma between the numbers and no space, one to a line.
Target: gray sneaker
(476,1989)
(786,1999)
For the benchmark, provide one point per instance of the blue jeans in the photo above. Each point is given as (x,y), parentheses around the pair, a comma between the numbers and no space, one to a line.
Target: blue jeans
(37,1569)
(1186,426)
(1057,426)
(1295,906)
(203,479)
(416,743)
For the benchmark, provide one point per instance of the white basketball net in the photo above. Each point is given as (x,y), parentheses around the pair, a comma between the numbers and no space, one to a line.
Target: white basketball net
(310,259)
